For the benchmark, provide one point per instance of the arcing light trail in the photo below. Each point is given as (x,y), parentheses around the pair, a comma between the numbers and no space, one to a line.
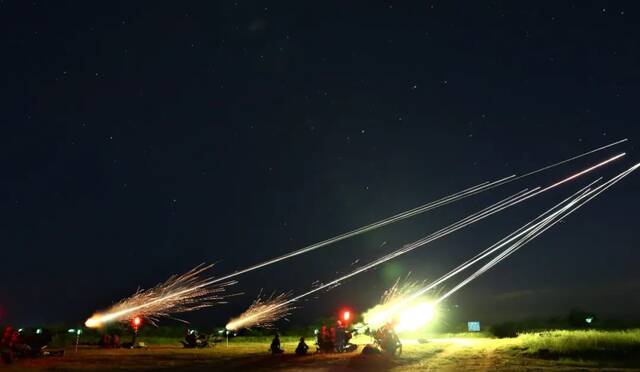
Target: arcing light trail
(542,226)
(383,259)
(162,301)
(176,295)
(510,238)
(518,239)
(572,158)
(475,217)
(485,186)
(389,220)
(388,310)
(123,312)
(263,313)
(405,300)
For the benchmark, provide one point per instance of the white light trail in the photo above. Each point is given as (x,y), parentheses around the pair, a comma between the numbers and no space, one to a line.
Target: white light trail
(540,227)
(177,294)
(495,208)
(485,186)
(263,313)
(573,158)
(510,238)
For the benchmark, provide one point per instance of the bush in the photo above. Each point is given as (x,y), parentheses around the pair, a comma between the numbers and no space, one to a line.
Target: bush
(503,330)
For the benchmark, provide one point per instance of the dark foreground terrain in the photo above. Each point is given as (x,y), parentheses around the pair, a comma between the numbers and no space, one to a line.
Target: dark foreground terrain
(543,353)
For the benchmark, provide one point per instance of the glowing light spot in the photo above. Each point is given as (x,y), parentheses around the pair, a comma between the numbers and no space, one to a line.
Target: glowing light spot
(415,317)
(94,322)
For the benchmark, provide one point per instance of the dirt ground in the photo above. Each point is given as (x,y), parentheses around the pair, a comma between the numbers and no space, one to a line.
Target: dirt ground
(449,354)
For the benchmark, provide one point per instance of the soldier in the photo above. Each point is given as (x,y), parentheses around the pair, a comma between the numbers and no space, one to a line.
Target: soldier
(6,344)
(340,337)
(275,345)
(302,347)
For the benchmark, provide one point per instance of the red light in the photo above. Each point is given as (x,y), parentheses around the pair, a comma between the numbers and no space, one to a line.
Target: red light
(136,321)
(346,316)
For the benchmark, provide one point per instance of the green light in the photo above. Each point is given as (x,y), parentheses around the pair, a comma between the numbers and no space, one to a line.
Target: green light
(39,330)
(79,332)
(71,330)
(391,271)
(588,319)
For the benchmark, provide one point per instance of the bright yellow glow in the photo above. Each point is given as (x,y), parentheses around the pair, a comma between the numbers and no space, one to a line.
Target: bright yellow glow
(378,316)
(250,317)
(94,322)
(405,316)
(415,317)
(98,320)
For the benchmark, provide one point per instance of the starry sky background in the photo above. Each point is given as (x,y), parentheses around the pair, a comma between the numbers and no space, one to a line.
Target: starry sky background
(142,138)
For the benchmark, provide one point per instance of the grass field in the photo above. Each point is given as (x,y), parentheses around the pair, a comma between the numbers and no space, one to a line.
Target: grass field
(548,351)
(590,344)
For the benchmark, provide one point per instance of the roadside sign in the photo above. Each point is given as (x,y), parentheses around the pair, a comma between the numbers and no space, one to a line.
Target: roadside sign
(473,326)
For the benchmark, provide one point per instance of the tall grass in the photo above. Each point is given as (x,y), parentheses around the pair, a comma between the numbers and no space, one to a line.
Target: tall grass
(582,343)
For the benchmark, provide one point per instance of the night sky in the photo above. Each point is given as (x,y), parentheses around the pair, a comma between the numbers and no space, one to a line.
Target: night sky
(140,139)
